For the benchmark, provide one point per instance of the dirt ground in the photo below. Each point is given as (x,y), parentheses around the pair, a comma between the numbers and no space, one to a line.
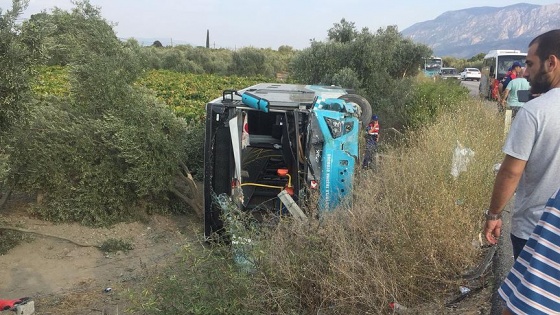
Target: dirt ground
(64,278)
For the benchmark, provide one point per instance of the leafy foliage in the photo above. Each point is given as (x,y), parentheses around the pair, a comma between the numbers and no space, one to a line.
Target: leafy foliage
(429,98)
(98,170)
(51,81)
(377,65)
(16,64)
(102,150)
(475,61)
(187,94)
(343,32)
(65,33)
(249,61)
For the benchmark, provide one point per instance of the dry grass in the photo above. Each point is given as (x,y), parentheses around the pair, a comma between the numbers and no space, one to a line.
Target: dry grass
(407,237)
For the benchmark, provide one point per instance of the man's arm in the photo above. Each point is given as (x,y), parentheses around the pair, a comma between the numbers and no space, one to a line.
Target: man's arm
(504,186)
(506,93)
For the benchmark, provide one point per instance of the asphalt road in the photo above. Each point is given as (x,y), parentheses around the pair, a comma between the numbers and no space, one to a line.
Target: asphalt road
(503,259)
(472,86)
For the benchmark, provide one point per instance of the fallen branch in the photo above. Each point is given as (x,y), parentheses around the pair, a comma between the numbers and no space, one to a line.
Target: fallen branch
(11,228)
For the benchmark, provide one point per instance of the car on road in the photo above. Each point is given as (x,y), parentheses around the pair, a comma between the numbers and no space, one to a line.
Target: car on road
(449,73)
(471,74)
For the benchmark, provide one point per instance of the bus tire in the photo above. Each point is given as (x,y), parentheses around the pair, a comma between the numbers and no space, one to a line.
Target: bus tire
(365,107)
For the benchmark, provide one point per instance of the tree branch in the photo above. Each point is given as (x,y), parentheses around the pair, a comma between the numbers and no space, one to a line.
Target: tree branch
(11,228)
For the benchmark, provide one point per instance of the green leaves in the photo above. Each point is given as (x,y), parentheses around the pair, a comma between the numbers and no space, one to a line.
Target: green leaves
(187,94)
(16,64)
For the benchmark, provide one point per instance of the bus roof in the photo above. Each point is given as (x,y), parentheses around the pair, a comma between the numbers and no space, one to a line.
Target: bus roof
(504,52)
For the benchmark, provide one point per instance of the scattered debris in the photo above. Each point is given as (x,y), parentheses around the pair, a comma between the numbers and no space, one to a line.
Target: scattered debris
(397,308)
(22,306)
(464,290)
(461,158)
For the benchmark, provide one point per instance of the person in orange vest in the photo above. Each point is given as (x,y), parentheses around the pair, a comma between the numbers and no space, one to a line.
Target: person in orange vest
(372,137)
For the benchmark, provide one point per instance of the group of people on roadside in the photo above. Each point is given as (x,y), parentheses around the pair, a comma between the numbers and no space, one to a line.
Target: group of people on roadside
(531,170)
(514,81)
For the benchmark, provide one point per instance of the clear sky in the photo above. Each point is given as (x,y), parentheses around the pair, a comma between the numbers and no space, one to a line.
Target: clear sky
(259,23)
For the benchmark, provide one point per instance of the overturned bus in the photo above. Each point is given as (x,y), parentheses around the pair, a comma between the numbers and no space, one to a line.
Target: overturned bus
(270,138)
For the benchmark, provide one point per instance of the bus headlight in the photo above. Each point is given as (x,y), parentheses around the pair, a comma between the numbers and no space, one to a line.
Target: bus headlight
(338,127)
(335,126)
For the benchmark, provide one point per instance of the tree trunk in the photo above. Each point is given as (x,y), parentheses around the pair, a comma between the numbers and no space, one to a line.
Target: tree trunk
(184,187)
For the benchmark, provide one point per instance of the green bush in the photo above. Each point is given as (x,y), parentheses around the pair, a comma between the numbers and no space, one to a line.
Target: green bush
(194,146)
(98,171)
(103,150)
(17,64)
(428,98)
(205,282)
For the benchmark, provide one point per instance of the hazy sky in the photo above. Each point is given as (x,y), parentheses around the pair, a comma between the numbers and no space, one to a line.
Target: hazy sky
(259,23)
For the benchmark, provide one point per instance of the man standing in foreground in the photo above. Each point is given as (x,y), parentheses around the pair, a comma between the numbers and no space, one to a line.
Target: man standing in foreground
(532,148)
(532,165)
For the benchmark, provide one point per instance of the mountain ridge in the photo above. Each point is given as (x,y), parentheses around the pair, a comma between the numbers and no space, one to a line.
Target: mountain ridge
(467,32)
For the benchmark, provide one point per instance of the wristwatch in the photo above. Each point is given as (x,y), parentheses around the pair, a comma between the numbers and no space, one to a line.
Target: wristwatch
(492,216)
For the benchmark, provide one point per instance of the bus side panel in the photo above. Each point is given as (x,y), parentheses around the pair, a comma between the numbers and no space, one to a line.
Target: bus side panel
(488,74)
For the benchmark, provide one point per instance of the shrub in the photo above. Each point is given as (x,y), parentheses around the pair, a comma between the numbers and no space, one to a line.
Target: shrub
(205,282)
(429,98)
(98,170)
(16,64)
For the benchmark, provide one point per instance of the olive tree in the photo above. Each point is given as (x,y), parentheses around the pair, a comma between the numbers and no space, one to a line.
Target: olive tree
(109,149)
(249,61)
(378,65)
(343,32)
(18,57)
(16,64)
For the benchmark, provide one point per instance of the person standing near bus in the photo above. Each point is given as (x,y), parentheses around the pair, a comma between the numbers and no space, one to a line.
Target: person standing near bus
(530,169)
(372,137)
(510,93)
(512,74)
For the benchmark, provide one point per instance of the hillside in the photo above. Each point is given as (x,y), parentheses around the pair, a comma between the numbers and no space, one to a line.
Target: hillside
(465,33)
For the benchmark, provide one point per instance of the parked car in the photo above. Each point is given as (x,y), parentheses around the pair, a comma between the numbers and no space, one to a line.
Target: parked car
(470,74)
(449,73)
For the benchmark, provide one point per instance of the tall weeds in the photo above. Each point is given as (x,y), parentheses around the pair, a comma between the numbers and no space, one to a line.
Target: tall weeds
(407,238)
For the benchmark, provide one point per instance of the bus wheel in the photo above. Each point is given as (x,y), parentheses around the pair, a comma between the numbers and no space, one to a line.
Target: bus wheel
(363,104)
